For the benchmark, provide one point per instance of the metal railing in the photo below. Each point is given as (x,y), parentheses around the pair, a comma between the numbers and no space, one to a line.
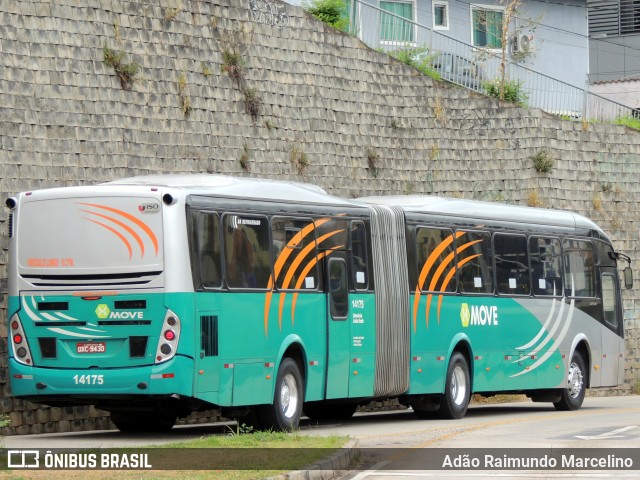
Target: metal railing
(476,68)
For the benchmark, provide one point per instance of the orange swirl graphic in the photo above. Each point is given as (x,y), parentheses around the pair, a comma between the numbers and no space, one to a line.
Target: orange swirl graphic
(131,218)
(280,261)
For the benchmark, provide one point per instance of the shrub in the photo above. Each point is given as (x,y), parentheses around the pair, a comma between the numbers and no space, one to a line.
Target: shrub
(513,92)
(331,12)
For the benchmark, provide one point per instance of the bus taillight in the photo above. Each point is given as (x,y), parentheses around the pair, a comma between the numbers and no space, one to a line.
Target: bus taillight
(168,341)
(19,342)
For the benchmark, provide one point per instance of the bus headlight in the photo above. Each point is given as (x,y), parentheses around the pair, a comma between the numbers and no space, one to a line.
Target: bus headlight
(169,337)
(19,344)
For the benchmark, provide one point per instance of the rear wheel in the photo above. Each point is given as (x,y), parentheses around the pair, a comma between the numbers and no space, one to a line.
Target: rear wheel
(285,412)
(457,389)
(573,395)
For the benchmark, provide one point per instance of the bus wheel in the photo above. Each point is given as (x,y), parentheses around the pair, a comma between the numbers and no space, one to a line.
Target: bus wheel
(457,389)
(138,422)
(329,411)
(572,397)
(285,412)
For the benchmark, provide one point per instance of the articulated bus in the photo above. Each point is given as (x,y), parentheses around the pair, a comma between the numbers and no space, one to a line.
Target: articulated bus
(153,297)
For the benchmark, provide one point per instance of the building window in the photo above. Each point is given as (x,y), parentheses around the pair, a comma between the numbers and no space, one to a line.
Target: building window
(440,15)
(397,25)
(487,27)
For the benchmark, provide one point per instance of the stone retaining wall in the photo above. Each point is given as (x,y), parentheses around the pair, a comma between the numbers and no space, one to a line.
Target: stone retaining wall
(304,103)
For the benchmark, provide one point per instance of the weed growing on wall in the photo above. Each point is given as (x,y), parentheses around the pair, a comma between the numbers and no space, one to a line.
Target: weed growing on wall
(185,98)
(513,91)
(244,159)
(543,162)
(252,103)
(299,159)
(126,71)
(373,160)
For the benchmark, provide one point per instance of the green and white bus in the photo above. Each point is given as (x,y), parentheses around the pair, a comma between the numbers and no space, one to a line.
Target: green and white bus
(153,297)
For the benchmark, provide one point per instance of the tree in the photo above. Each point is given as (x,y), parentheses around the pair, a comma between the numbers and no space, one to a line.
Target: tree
(331,12)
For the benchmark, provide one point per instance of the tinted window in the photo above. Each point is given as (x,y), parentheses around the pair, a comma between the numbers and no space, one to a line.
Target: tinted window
(246,250)
(512,267)
(208,247)
(359,261)
(338,288)
(436,263)
(579,269)
(294,253)
(546,266)
(609,300)
(475,264)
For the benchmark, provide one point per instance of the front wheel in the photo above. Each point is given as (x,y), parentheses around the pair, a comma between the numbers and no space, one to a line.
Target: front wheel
(457,389)
(572,396)
(285,412)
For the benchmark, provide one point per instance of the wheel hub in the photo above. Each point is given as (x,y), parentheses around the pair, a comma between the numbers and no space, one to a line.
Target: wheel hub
(575,380)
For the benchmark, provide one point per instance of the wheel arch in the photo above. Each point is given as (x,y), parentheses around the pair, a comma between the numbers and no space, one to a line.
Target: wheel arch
(293,347)
(581,345)
(461,343)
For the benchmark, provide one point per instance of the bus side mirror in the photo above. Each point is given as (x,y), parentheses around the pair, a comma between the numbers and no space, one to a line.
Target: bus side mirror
(628,278)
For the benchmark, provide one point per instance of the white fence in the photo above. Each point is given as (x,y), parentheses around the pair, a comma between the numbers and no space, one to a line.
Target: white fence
(473,67)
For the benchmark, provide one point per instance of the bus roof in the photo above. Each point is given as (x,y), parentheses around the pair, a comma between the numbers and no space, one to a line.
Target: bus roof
(239,187)
(489,211)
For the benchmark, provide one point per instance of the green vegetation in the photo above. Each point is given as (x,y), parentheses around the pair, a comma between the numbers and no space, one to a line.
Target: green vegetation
(299,159)
(233,65)
(418,58)
(629,121)
(512,91)
(373,159)
(331,12)
(125,71)
(543,161)
(252,103)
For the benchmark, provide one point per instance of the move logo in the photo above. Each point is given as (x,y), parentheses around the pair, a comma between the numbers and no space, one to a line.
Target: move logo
(482,315)
(103,312)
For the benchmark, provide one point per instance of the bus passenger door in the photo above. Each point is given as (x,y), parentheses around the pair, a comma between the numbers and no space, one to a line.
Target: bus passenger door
(338,327)
(612,337)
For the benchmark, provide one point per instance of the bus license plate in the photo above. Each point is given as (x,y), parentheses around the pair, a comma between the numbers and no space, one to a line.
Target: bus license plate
(91,347)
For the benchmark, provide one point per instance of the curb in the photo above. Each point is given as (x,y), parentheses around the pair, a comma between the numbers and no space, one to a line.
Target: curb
(326,468)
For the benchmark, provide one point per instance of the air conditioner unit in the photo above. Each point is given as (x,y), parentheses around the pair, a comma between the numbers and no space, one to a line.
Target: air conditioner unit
(522,44)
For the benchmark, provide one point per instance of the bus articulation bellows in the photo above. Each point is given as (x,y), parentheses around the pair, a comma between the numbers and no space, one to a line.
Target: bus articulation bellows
(153,297)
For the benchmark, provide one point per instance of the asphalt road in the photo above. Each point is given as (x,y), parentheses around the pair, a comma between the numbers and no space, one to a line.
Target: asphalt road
(397,444)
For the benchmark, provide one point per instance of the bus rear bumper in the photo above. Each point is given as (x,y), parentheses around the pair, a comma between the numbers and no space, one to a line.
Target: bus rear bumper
(172,377)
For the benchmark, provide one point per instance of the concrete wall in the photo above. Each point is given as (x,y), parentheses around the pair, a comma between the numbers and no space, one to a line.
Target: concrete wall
(65,119)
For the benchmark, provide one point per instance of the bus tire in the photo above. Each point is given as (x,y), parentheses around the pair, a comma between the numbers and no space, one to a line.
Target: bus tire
(457,388)
(329,411)
(571,398)
(285,411)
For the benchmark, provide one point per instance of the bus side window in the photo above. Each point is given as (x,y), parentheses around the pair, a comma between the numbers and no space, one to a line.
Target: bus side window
(610,300)
(359,258)
(294,251)
(579,268)
(247,252)
(512,266)
(338,289)
(207,234)
(435,257)
(475,264)
(546,266)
